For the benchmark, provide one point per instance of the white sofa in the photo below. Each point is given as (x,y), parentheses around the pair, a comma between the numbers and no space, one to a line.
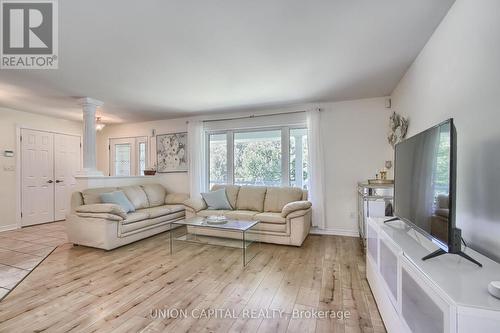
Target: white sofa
(284,213)
(107,226)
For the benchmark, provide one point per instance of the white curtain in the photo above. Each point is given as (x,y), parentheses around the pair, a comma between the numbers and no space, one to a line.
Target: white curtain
(316,168)
(196,146)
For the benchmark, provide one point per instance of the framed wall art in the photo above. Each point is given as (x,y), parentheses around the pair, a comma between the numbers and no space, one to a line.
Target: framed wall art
(171,152)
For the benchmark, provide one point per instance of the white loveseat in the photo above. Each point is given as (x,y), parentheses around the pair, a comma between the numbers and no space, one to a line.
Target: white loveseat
(107,226)
(284,213)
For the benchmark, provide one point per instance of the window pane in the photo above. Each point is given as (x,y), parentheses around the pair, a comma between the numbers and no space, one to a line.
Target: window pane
(122,159)
(142,158)
(298,158)
(257,158)
(217,174)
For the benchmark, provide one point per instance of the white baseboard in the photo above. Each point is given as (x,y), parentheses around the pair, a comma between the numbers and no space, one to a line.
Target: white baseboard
(335,231)
(8,227)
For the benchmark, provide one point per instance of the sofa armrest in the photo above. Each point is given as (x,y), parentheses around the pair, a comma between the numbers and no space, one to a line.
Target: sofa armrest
(195,204)
(106,208)
(103,216)
(295,206)
(176,198)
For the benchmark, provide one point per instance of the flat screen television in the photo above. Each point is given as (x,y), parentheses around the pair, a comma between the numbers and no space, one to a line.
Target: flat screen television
(425,186)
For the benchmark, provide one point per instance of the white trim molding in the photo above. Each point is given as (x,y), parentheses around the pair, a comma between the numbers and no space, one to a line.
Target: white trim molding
(9,227)
(335,232)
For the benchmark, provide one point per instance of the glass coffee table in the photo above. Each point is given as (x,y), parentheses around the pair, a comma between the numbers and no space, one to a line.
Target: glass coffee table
(198,230)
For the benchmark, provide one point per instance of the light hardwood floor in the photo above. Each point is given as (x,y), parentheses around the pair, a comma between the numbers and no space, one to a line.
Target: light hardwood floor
(87,290)
(21,250)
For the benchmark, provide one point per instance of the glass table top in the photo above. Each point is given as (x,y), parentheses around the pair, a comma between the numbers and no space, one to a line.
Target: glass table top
(240,225)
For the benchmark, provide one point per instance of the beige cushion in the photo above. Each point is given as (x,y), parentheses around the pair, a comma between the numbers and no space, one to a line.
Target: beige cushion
(305,195)
(76,200)
(102,208)
(176,198)
(209,212)
(136,216)
(195,204)
(241,214)
(295,206)
(271,227)
(150,223)
(251,198)
(137,196)
(93,195)
(298,213)
(278,197)
(155,193)
(231,193)
(102,216)
(270,218)
(158,211)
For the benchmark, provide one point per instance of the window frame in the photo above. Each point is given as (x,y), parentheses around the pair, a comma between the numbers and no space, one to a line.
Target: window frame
(285,150)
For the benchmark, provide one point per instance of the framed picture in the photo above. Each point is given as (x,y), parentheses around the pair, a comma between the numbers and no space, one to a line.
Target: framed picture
(171,152)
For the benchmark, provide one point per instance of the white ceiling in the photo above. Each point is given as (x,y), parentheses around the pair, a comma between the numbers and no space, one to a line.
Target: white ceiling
(161,59)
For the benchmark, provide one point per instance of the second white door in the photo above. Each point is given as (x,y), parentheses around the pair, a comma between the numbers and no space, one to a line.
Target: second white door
(49,162)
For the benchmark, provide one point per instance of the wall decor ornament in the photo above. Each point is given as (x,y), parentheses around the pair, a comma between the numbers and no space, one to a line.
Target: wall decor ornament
(171,152)
(398,127)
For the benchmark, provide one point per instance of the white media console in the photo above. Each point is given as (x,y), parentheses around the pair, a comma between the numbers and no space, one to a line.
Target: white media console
(443,294)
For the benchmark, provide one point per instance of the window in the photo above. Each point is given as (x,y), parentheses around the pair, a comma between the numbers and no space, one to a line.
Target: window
(257,158)
(122,159)
(128,156)
(298,158)
(218,159)
(142,157)
(265,157)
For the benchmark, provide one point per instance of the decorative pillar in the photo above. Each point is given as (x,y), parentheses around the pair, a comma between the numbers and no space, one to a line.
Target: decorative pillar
(89,106)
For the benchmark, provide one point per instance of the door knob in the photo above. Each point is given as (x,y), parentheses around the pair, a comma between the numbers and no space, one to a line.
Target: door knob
(50,181)
(59,181)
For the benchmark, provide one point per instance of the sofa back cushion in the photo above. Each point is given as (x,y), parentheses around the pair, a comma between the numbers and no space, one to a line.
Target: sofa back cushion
(93,195)
(216,199)
(118,198)
(231,193)
(278,197)
(136,195)
(251,198)
(156,194)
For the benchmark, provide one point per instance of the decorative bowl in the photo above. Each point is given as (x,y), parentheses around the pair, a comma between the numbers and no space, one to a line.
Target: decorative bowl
(216,219)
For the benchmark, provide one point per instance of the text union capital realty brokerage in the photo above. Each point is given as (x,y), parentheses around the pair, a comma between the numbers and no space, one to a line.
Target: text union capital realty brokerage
(246,314)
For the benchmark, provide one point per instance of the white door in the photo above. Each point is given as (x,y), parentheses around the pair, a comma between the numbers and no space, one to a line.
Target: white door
(66,165)
(128,156)
(49,163)
(37,177)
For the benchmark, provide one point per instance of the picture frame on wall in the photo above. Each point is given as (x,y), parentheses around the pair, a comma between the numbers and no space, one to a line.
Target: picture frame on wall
(171,152)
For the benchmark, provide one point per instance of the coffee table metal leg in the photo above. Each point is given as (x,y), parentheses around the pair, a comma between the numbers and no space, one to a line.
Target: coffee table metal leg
(244,251)
(171,239)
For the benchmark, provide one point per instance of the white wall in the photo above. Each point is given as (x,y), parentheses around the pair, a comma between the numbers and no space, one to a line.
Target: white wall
(174,182)
(9,119)
(457,75)
(356,148)
(354,135)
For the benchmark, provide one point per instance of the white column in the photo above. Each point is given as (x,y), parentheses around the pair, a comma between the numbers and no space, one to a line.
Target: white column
(89,106)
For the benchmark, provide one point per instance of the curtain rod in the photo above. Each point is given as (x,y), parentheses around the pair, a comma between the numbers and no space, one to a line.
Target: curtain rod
(253,116)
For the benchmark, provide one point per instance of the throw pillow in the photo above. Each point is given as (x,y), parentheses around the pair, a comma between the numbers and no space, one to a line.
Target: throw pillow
(118,198)
(216,199)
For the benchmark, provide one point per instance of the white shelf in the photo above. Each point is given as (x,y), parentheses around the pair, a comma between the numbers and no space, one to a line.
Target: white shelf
(450,283)
(463,281)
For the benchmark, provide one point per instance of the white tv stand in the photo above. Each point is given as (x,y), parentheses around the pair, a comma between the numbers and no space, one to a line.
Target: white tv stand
(444,294)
